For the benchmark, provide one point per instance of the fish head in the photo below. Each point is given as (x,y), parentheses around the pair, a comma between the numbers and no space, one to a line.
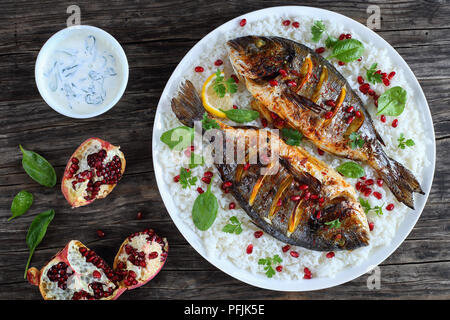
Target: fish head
(257,57)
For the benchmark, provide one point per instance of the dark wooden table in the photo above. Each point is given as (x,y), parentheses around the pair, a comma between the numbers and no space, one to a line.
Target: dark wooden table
(155,36)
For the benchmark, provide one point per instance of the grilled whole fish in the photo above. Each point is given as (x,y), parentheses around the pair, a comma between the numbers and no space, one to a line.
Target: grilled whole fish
(300,89)
(296,200)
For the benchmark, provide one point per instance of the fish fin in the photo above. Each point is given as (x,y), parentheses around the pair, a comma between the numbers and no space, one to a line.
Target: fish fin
(187,105)
(302,102)
(401,182)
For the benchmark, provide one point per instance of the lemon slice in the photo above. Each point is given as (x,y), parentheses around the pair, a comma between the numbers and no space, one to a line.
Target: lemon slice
(211,101)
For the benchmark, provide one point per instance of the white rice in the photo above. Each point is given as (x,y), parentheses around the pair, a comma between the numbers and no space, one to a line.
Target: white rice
(233,247)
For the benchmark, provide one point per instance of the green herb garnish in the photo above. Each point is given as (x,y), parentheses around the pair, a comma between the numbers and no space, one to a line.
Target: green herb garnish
(335,224)
(241,115)
(351,169)
(331,42)
(39,169)
(356,141)
(233,227)
(372,74)
(21,203)
(291,137)
(317,30)
(208,123)
(222,86)
(36,232)
(267,263)
(205,209)
(392,102)
(347,50)
(186,179)
(366,206)
(403,143)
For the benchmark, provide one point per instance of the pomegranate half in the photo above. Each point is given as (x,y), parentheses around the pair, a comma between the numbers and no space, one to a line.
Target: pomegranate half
(78,273)
(92,172)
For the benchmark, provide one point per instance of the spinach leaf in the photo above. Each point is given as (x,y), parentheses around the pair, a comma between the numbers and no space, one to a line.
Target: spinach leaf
(241,115)
(37,231)
(351,169)
(39,169)
(204,211)
(347,50)
(392,102)
(292,137)
(21,203)
(178,138)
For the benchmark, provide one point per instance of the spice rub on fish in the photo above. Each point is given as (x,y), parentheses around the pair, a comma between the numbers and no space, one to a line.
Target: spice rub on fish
(302,90)
(294,197)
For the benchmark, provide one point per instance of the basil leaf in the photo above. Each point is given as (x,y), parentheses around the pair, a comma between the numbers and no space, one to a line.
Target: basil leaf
(21,203)
(392,102)
(205,209)
(292,137)
(241,115)
(37,231)
(39,169)
(347,50)
(351,169)
(178,138)
(331,41)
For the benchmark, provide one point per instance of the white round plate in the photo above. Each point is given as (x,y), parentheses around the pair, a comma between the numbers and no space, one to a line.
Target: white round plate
(379,254)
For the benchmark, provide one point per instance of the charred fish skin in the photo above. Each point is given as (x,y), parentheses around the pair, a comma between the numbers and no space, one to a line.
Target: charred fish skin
(276,202)
(312,97)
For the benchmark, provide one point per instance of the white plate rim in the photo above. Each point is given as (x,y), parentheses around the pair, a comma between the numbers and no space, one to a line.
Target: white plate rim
(380,254)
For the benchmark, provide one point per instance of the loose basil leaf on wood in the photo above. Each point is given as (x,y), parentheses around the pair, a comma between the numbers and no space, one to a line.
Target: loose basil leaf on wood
(21,203)
(204,211)
(39,169)
(178,138)
(37,231)
(241,115)
(351,169)
(392,102)
(292,137)
(347,50)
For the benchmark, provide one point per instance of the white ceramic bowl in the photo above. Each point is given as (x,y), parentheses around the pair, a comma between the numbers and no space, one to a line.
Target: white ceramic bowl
(379,254)
(57,42)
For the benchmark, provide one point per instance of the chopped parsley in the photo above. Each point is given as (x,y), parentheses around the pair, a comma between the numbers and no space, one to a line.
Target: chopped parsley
(335,224)
(186,179)
(233,227)
(367,207)
(267,262)
(222,86)
(356,141)
(403,143)
(372,74)
(208,123)
(317,30)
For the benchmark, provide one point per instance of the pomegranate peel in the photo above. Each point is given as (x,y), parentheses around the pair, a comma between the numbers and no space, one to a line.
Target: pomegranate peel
(92,172)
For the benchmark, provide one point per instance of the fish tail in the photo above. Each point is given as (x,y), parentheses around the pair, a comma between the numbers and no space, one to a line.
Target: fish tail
(187,105)
(400,181)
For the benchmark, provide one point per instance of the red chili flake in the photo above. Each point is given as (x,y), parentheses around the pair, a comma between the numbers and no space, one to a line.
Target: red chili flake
(286,23)
(176,178)
(320,151)
(395,123)
(307,195)
(307,274)
(383,118)
(314,197)
(377,195)
(294,254)
(286,248)
(341,63)
(232,205)
(243,22)
(390,207)
(358,114)
(249,249)
(360,80)
(273,115)
(319,214)
(330,255)
(100,233)
(391,75)
(273,83)
(330,103)
(295,198)
(279,203)
(218,63)
(320,50)
(283,72)
(386,82)
(380,182)
(139,215)
(350,119)
(295,24)
(235,78)
(350,109)
(291,83)
(321,200)
(342,36)
(279,268)
(371,225)
(206,180)
(199,69)
(369,182)
(258,234)
(303,187)
(200,190)
(358,185)
(246,166)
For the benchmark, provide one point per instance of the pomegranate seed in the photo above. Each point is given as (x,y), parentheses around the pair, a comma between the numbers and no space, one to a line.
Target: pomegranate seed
(176,178)
(100,233)
(318,215)
(295,24)
(139,215)
(246,166)
(321,200)
(328,115)
(330,255)
(320,151)
(286,23)
(218,62)
(258,234)
(307,273)
(358,114)
(367,192)
(391,75)
(371,225)
(152,255)
(359,59)
(320,50)
(208,174)
(378,71)
(364,88)
(295,198)
(294,254)
(350,119)
(249,249)
(235,78)
(390,207)
(273,83)
(243,22)
(380,182)
(279,203)
(199,69)
(200,190)
(383,118)
(386,82)
(330,103)
(341,63)
(279,268)
(232,205)
(96,274)
(369,182)
(227,184)
(358,186)
(264,123)
(360,80)
(206,180)
(371,92)
(314,197)
(395,123)
(303,187)
(286,248)
(342,36)
(383,75)
(74,160)
(348,36)
(283,72)
(377,195)
(350,109)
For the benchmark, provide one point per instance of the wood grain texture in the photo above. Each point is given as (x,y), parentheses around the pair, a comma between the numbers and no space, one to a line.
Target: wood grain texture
(155,36)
